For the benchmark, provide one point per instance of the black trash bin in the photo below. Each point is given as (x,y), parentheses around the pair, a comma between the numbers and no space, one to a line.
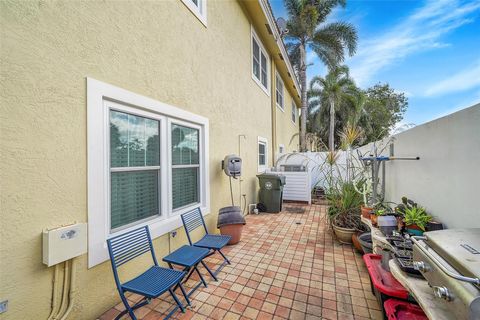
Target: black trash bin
(271,191)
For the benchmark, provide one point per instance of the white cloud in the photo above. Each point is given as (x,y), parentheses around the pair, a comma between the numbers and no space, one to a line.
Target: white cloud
(420,31)
(465,79)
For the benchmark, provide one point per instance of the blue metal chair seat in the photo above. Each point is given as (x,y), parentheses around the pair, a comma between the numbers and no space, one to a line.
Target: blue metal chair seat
(214,241)
(154,281)
(188,257)
(151,283)
(193,220)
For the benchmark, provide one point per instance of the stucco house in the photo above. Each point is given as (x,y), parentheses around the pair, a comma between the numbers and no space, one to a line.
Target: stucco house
(118,114)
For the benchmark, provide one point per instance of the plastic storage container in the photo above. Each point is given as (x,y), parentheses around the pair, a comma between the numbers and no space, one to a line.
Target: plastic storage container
(384,285)
(387,224)
(271,191)
(401,310)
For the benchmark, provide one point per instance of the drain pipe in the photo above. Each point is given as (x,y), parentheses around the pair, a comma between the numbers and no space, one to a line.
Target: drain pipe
(273,81)
(55,292)
(65,291)
(240,180)
(72,292)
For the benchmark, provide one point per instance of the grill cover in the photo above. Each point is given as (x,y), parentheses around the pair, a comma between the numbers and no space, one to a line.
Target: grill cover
(459,247)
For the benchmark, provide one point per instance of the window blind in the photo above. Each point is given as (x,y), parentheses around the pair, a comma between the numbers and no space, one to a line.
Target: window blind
(134,166)
(185,166)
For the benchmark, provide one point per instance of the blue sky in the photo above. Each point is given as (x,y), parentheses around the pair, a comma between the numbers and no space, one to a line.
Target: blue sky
(428,49)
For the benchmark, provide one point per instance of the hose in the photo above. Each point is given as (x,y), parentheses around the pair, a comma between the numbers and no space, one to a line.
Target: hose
(244,204)
(231,190)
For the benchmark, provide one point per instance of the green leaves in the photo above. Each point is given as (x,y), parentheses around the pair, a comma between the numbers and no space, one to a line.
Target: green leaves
(416,215)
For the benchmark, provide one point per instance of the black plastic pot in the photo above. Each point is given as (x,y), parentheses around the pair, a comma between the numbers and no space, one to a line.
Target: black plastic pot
(365,240)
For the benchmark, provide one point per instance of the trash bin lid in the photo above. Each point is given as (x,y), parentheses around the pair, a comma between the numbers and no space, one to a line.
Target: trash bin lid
(271,176)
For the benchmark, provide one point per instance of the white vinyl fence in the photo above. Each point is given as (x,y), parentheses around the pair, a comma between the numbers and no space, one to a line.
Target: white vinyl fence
(297,186)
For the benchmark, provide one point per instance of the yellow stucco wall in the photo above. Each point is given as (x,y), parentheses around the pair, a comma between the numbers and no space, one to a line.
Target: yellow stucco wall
(285,128)
(155,48)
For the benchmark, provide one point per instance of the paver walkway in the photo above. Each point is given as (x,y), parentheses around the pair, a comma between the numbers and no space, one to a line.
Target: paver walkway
(287,266)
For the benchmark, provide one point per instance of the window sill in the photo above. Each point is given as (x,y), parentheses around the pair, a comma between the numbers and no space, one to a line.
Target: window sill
(280,107)
(265,90)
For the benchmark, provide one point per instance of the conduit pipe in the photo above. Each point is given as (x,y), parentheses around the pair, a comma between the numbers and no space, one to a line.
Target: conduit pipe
(55,293)
(63,305)
(72,292)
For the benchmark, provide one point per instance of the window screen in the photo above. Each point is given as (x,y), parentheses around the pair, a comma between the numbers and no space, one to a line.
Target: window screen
(294,112)
(261,154)
(134,168)
(260,63)
(279,92)
(256,59)
(185,166)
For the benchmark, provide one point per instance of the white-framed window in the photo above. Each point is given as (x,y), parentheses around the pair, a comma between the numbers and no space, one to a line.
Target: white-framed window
(198,8)
(279,94)
(147,164)
(260,63)
(262,154)
(294,113)
(281,149)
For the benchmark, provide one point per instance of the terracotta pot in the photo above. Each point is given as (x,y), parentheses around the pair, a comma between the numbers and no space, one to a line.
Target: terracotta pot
(356,243)
(233,230)
(373,217)
(366,211)
(344,235)
(400,223)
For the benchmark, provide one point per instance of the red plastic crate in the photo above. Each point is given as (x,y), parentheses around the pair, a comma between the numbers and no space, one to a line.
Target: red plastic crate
(402,310)
(382,279)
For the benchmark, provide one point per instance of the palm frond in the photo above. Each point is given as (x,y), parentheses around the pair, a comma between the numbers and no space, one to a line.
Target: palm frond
(344,32)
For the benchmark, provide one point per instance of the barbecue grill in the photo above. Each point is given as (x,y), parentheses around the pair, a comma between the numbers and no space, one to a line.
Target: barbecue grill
(450,262)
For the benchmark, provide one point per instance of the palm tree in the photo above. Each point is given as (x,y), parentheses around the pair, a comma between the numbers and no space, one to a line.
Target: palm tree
(335,87)
(308,29)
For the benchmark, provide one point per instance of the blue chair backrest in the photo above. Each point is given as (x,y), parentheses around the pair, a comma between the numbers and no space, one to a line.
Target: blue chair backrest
(192,220)
(130,245)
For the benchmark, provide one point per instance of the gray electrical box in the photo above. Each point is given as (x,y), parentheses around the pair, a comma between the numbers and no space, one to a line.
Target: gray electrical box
(232,165)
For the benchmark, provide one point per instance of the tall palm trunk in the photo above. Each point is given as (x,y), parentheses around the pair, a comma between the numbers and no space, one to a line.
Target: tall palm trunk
(331,133)
(303,80)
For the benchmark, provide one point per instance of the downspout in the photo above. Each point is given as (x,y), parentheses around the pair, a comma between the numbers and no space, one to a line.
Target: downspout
(54,294)
(274,108)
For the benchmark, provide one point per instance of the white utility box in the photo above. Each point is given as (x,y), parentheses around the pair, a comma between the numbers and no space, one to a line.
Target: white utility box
(64,243)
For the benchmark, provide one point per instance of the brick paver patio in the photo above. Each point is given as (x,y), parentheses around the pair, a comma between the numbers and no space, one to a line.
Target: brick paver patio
(287,266)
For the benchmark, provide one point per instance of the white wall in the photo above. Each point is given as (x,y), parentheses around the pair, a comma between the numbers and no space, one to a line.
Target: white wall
(446,179)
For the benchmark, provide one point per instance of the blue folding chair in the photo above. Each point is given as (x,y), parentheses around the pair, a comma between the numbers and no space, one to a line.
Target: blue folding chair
(214,242)
(151,283)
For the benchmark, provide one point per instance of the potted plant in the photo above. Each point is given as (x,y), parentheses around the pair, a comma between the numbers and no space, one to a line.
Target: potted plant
(400,210)
(364,188)
(344,211)
(416,220)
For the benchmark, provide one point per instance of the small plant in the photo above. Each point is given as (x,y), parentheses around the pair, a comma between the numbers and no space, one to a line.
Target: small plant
(382,209)
(406,204)
(416,216)
(364,187)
